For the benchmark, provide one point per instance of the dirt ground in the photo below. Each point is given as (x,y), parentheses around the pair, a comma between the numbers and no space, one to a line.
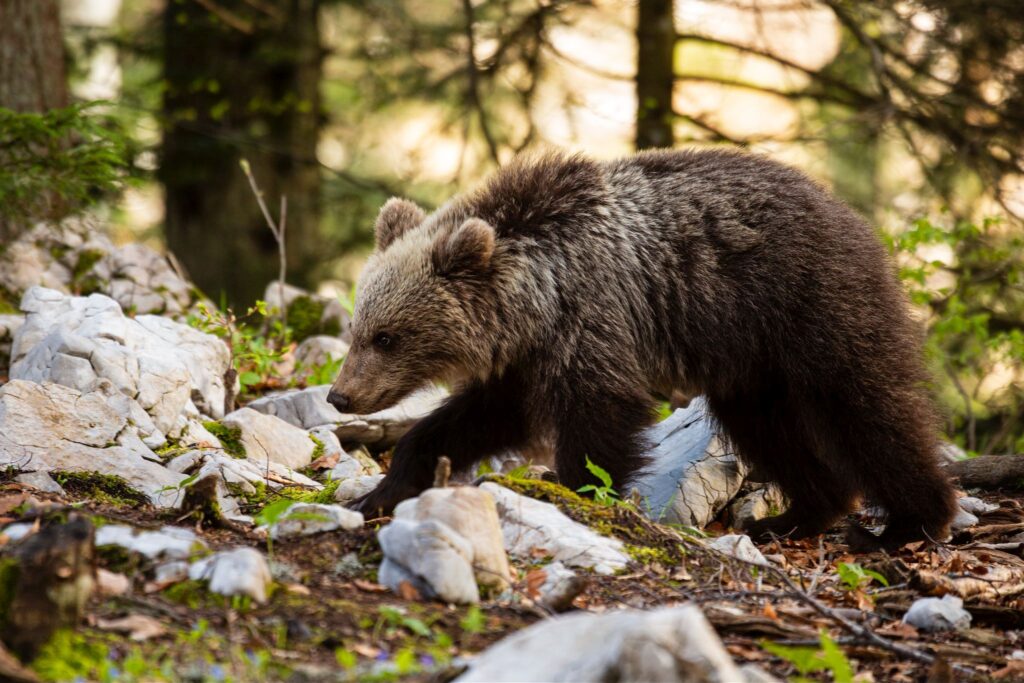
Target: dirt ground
(328,619)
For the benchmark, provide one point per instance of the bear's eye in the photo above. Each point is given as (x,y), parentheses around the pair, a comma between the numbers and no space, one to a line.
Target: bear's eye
(382,340)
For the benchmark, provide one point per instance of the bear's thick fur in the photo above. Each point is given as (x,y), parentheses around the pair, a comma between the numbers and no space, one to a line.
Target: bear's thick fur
(563,294)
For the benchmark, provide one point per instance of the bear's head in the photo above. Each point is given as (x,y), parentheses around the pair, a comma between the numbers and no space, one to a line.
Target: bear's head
(420,308)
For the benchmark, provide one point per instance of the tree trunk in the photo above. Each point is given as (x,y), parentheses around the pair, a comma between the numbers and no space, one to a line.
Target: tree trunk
(242,82)
(656,38)
(32,73)
(32,69)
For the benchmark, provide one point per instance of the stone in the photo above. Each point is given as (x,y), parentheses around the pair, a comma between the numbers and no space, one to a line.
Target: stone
(530,525)
(333,319)
(239,473)
(41,481)
(49,427)
(430,557)
(350,489)
(665,644)
(303,408)
(169,543)
(111,584)
(976,506)
(242,571)
(318,350)
(267,438)
(962,520)
(161,364)
(739,546)
(935,614)
(758,504)
(471,513)
(383,429)
(305,519)
(692,476)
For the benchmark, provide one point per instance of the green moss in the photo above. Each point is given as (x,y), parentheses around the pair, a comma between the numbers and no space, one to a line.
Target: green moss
(304,316)
(318,447)
(71,656)
(87,258)
(193,594)
(230,438)
(257,498)
(7,302)
(324,496)
(102,488)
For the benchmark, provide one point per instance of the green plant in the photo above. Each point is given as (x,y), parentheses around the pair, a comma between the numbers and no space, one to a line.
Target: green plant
(807,660)
(475,621)
(253,353)
(60,161)
(603,494)
(854,577)
(326,372)
(348,302)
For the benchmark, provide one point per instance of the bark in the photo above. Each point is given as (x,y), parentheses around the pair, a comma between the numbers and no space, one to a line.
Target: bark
(32,69)
(988,471)
(243,82)
(655,75)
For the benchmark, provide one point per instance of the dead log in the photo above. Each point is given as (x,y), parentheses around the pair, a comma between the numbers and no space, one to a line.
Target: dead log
(45,582)
(988,471)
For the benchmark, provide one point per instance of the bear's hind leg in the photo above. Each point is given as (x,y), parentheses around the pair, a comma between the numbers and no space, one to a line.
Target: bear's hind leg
(771,435)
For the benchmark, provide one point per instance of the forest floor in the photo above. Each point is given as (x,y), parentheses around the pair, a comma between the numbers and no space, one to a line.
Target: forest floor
(328,619)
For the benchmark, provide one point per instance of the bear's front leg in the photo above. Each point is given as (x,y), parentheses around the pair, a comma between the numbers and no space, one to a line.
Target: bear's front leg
(481,420)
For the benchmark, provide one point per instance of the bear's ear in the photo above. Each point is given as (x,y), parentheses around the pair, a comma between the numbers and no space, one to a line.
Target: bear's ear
(464,251)
(395,218)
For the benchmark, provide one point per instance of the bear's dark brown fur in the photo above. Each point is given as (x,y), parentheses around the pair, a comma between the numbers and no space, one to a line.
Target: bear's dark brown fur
(561,295)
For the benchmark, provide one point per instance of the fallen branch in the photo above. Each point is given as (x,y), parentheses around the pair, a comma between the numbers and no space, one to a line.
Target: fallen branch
(988,471)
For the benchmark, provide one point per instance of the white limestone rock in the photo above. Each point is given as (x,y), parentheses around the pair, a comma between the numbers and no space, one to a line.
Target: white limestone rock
(305,519)
(316,351)
(666,644)
(528,524)
(155,361)
(242,571)
(430,556)
(739,546)
(692,475)
(935,614)
(471,513)
(48,427)
(168,543)
(350,489)
(269,439)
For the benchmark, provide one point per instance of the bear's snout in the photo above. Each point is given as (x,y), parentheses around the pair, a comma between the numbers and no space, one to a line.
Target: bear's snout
(339,401)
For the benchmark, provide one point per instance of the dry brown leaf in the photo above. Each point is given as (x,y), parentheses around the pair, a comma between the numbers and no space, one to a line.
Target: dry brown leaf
(534,580)
(369,586)
(769,611)
(138,626)
(325,462)
(407,591)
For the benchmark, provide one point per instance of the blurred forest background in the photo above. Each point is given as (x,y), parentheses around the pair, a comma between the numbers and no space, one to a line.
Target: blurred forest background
(140,112)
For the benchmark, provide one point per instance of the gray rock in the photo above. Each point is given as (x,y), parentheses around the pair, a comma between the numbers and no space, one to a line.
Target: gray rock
(157,362)
(756,505)
(269,439)
(242,571)
(305,519)
(528,525)
(962,520)
(316,351)
(667,644)
(49,427)
(239,473)
(934,614)
(303,408)
(739,546)
(383,429)
(976,506)
(471,513)
(350,489)
(41,481)
(692,475)
(431,556)
(169,543)
(333,319)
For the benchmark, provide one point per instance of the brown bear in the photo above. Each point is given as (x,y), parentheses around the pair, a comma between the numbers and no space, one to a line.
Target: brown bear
(562,296)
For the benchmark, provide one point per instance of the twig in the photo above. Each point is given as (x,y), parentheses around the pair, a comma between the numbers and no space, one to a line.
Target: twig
(473,90)
(442,472)
(278,230)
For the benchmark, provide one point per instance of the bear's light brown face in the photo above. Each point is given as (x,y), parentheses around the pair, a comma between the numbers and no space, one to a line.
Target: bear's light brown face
(412,325)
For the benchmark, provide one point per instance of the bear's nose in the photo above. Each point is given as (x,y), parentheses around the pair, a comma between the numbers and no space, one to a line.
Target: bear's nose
(339,401)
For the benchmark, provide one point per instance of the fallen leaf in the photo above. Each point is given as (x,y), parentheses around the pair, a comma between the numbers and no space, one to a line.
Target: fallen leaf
(112,584)
(1014,667)
(325,462)
(407,591)
(534,580)
(11,501)
(769,611)
(138,626)
(370,586)
(366,650)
